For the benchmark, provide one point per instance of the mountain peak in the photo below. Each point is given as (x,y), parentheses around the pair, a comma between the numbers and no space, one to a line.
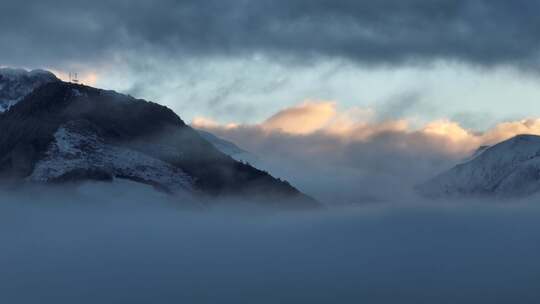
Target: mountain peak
(18,72)
(508,169)
(15,84)
(524,138)
(64,132)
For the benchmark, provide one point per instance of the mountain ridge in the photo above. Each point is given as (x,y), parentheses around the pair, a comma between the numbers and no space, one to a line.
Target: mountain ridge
(15,84)
(99,134)
(509,169)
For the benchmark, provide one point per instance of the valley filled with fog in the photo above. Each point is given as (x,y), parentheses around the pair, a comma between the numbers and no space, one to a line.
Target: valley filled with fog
(125,243)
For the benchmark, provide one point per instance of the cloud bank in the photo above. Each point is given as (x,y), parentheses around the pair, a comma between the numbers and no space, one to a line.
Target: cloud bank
(324,119)
(318,145)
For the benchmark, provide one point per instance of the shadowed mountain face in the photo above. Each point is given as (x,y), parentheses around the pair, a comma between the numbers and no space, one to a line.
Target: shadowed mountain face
(65,132)
(509,169)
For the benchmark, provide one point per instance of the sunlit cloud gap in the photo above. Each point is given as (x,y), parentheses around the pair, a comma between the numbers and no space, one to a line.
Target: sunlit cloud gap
(357,124)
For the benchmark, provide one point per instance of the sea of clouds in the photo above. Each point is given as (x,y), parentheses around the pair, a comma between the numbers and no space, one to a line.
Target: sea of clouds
(122,243)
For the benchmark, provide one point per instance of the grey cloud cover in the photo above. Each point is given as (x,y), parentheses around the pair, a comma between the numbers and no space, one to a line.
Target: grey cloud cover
(378,32)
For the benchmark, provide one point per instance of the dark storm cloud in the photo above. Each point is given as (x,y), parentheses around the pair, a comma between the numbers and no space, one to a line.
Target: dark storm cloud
(379,32)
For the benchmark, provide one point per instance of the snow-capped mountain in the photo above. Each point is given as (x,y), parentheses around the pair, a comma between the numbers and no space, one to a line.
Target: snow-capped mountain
(15,84)
(508,169)
(63,132)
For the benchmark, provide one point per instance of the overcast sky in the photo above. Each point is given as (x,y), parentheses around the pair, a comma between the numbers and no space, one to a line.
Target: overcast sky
(470,61)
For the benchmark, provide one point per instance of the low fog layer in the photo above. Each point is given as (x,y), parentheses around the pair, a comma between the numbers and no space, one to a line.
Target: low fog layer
(116,243)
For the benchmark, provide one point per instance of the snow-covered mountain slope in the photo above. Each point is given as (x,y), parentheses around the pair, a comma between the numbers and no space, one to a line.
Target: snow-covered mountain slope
(229,148)
(63,132)
(508,169)
(476,153)
(77,149)
(15,84)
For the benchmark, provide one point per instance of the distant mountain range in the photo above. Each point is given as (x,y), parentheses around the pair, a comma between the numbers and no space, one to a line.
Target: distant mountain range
(510,169)
(58,132)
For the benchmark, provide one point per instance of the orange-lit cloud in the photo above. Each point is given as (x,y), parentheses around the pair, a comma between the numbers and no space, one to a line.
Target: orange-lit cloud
(509,129)
(316,116)
(207,123)
(324,118)
(306,118)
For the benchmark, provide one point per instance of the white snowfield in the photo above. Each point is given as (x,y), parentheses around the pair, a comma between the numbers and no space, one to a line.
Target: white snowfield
(73,150)
(508,169)
(15,84)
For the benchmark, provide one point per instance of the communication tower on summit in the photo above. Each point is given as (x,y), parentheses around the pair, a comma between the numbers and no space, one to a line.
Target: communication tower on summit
(73,77)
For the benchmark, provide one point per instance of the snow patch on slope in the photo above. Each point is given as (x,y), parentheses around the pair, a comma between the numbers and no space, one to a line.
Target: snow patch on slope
(75,149)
